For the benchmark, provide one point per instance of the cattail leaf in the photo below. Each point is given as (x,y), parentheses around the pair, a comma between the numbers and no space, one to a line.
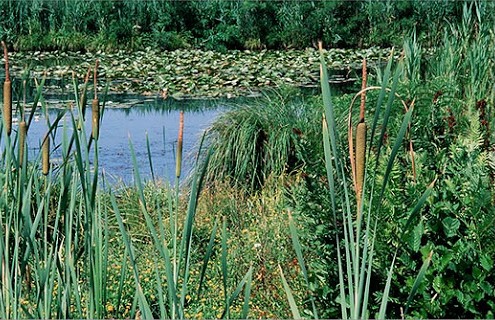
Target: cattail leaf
(386,290)
(290,297)
(247,294)
(244,283)
(298,248)
(418,280)
(206,259)
(419,205)
(145,308)
(379,102)
(388,109)
(395,149)
(159,288)
(37,97)
(150,161)
(224,263)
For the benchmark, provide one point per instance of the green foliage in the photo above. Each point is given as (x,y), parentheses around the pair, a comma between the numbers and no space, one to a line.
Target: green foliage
(213,24)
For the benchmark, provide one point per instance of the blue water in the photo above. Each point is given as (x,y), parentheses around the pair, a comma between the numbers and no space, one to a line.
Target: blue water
(122,126)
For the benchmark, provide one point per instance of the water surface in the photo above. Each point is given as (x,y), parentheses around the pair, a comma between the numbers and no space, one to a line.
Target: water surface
(122,125)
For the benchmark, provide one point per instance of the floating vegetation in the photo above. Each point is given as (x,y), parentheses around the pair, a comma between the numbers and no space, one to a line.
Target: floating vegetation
(198,74)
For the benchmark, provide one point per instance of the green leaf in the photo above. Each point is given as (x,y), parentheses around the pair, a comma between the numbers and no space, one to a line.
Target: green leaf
(419,279)
(417,234)
(298,248)
(450,226)
(290,297)
(486,262)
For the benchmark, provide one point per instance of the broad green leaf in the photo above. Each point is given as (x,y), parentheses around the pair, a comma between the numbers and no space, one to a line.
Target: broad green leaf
(486,262)
(450,226)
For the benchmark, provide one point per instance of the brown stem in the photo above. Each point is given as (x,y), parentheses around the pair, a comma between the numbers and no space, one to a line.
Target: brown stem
(178,163)
(95,75)
(363,92)
(6,57)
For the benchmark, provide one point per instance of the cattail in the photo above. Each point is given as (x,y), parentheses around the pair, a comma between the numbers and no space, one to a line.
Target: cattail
(178,162)
(45,154)
(22,140)
(96,118)
(361,142)
(7,93)
(360,159)
(95,105)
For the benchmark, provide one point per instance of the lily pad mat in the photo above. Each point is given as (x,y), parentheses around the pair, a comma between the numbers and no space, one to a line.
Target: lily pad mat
(193,73)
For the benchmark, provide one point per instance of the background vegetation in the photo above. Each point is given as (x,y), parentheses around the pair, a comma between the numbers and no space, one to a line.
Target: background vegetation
(240,24)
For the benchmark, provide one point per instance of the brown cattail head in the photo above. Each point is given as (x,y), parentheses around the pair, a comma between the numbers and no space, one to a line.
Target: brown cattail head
(360,160)
(178,162)
(22,141)
(45,155)
(96,118)
(7,106)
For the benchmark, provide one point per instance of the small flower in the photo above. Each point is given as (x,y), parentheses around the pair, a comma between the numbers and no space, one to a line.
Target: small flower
(110,308)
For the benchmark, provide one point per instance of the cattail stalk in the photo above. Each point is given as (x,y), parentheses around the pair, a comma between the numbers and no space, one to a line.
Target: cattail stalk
(178,162)
(95,106)
(45,155)
(22,141)
(84,99)
(7,93)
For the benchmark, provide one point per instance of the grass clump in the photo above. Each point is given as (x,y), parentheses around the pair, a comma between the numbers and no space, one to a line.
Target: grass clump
(272,136)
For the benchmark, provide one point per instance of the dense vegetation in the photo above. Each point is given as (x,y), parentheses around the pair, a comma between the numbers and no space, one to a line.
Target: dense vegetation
(132,24)
(270,225)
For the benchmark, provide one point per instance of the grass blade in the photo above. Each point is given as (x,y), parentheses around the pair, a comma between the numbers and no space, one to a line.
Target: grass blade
(209,250)
(297,247)
(290,297)
(419,279)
